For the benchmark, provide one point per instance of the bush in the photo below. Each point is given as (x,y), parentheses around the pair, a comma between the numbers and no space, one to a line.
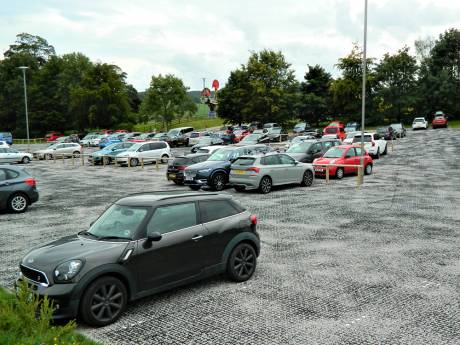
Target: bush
(25,319)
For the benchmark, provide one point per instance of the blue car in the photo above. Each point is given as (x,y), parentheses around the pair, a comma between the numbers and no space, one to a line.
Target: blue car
(108,153)
(7,137)
(111,139)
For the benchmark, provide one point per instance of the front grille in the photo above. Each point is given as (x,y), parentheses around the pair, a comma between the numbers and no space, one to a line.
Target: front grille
(34,275)
(191,173)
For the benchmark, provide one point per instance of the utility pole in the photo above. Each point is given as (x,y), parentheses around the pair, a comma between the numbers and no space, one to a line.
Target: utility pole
(25,103)
(363,106)
(204,82)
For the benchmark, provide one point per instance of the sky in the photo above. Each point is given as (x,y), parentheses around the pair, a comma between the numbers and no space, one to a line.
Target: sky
(196,39)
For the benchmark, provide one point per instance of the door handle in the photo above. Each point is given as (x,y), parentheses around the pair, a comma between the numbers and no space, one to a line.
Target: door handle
(197,237)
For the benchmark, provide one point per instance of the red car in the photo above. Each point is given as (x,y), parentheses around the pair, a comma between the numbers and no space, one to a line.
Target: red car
(240,134)
(440,120)
(342,154)
(121,131)
(52,136)
(335,129)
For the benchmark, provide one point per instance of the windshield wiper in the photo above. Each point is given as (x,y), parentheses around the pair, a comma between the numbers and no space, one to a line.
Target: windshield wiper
(113,238)
(87,233)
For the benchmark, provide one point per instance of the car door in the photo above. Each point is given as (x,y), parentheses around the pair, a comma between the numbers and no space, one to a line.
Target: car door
(8,180)
(13,155)
(290,168)
(180,253)
(317,150)
(350,158)
(271,166)
(4,156)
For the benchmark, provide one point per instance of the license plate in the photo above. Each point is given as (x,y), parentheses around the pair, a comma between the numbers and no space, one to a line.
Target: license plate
(319,169)
(172,176)
(188,178)
(239,172)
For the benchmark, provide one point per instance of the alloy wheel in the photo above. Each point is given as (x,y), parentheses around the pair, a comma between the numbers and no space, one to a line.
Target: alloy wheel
(368,170)
(107,303)
(265,185)
(307,178)
(25,160)
(133,162)
(339,173)
(219,182)
(18,203)
(244,262)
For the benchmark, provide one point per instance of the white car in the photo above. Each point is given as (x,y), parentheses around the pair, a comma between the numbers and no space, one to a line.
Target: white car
(4,144)
(9,155)
(59,151)
(373,144)
(350,137)
(86,141)
(148,151)
(196,136)
(97,140)
(419,123)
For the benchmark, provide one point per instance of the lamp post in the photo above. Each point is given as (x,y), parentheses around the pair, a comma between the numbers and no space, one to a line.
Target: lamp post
(363,105)
(25,103)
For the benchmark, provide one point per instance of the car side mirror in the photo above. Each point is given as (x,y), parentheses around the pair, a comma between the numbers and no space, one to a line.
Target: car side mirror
(154,237)
(296,162)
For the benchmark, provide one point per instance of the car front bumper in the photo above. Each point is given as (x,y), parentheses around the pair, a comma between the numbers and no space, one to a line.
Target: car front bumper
(320,170)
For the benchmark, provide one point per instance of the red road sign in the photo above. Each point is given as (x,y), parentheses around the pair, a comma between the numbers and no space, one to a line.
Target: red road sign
(215,84)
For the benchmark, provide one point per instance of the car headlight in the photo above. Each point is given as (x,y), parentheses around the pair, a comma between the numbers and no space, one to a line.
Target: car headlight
(204,170)
(67,270)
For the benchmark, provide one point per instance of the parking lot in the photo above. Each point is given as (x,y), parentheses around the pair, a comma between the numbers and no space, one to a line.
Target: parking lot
(339,264)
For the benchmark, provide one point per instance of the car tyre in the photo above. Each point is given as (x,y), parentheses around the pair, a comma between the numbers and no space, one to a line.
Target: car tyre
(48,156)
(218,182)
(241,263)
(25,160)
(265,185)
(106,160)
(18,203)
(339,173)
(195,188)
(133,162)
(104,301)
(307,179)
(239,188)
(368,169)
(377,155)
(76,154)
(164,159)
(386,150)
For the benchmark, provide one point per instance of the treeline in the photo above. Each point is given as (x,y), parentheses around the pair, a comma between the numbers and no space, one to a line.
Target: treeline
(399,87)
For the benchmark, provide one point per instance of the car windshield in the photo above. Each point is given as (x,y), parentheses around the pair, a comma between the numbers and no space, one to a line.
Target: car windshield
(396,126)
(299,148)
(331,130)
(173,132)
(367,139)
(300,125)
(205,140)
(119,222)
(159,135)
(439,117)
(334,152)
(135,147)
(245,161)
(251,137)
(221,155)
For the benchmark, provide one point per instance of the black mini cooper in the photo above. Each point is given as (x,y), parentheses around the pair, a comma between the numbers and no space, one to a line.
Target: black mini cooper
(143,244)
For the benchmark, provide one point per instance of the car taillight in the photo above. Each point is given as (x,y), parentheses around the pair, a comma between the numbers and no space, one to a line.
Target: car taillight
(253,219)
(30,182)
(373,143)
(254,169)
(181,167)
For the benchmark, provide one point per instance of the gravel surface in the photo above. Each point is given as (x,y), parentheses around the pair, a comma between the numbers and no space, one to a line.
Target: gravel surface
(339,264)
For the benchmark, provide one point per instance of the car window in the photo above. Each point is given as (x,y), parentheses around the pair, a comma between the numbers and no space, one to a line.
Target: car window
(2,175)
(317,148)
(245,161)
(172,217)
(216,209)
(270,160)
(351,153)
(358,151)
(10,174)
(155,146)
(286,159)
(328,145)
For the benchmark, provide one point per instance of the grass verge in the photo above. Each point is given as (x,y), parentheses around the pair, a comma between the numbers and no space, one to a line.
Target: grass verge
(27,321)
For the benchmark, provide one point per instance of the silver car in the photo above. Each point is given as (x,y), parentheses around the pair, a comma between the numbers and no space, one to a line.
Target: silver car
(264,172)
(9,155)
(59,151)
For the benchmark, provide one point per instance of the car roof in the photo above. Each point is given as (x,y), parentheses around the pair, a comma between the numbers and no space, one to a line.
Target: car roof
(164,197)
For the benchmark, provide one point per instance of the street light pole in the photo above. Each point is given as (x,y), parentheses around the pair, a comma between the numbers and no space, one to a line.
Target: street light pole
(25,102)
(363,105)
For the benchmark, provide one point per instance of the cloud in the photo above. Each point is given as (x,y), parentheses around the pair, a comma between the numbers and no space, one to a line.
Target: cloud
(210,38)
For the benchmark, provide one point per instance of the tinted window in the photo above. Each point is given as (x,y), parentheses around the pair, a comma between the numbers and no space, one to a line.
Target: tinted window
(200,159)
(216,209)
(181,161)
(245,161)
(367,139)
(270,160)
(11,174)
(317,148)
(172,218)
(286,159)
(157,146)
(2,175)
(328,145)
(331,130)
(358,151)
(351,153)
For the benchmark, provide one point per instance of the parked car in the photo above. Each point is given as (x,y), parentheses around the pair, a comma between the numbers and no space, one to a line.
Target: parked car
(439,121)
(59,151)
(264,172)
(197,136)
(255,125)
(86,141)
(272,126)
(343,154)
(52,136)
(9,155)
(18,189)
(95,141)
(215,170)
(7,137)
(419,123)
(240,134)
(298,139)
(4,144)
(177,166)
(107,154)
(387,132)
(149,151)
(399,129)
(334,130)
(350,136)
(301,128)
(162,136)
(143,137)
(352,127)
(205,142)
(143,244)
(309,150)
(373,144)
(253,139)
(209,149)
(111,139)
(179,136)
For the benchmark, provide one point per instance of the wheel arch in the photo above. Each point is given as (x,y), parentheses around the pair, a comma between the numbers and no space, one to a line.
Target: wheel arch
(246,237)
(12,195)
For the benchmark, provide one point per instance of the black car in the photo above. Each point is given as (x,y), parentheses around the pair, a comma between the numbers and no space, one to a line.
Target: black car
(387,132)
(214,172)
(18,189)
(400,130)
(306,151)
(177,166)
(179,136)
(141,245)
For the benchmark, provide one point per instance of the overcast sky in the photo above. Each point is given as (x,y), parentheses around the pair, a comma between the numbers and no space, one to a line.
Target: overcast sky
(195,39)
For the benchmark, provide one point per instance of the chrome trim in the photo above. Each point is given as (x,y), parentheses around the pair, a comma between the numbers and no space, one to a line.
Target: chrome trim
(33,269)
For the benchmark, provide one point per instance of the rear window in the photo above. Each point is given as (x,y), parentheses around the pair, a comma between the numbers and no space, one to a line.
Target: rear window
(367,139)
(334,152)
(331,130)
(245,161)
(194,135)
(216,209)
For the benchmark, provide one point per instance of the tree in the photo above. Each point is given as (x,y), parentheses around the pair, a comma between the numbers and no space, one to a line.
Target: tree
(166,99)
(133,98)
(264,90)
(35,46)
(396,85)
(315,95)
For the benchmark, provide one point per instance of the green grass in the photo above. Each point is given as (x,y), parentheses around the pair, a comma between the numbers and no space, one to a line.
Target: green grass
(454,124)
(20,325)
